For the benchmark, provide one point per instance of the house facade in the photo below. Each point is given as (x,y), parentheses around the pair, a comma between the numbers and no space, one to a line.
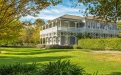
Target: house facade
(65,29)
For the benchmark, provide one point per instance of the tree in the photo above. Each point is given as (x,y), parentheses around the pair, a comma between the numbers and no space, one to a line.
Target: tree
(109,10)
(22,38)
(11,32)
(26,33)
(30,33)
(37,28)
(119,24)
(12,10)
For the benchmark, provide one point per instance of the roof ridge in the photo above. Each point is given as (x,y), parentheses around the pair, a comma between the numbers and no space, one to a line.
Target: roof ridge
(72,15)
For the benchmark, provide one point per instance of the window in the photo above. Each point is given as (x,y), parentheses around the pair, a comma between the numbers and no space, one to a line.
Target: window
(53,24)
(93,25)
(61,33)
(66,23)
(89,23)
(98,25)
(110,27)
(77,25)
(102,25)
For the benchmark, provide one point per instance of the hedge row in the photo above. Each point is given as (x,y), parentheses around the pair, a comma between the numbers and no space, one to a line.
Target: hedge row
(100,44)
(54,46)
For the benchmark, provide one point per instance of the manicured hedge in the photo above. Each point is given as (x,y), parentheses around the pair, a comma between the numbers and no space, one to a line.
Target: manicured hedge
(100,44)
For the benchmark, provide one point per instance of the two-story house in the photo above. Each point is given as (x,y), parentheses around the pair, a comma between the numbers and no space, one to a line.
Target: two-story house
(65,29)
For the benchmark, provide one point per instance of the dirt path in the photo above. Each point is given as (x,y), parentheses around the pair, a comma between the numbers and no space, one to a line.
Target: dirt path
(112,52)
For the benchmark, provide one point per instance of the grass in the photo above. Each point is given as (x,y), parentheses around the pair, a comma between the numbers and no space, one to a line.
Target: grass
(104,63)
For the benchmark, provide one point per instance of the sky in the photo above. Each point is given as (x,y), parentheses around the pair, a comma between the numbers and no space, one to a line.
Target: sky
(61,9)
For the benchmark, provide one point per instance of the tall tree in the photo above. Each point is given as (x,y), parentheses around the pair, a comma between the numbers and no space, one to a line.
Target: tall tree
(12,10)
(18,8)
(30,33)
(37,28)
(109,10)
(26,33)
(11,32)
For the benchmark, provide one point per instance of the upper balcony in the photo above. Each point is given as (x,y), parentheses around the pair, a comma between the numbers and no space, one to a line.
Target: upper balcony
(79,30)
(88,30)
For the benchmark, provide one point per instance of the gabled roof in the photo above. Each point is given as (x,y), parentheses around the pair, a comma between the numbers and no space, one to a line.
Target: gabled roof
(79,18)
(71,17)
(67,16)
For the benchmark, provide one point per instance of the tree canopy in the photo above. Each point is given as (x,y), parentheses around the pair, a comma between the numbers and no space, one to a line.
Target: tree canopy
(119,24)
(18,8)
(12,10)
(109,10)
(30,33)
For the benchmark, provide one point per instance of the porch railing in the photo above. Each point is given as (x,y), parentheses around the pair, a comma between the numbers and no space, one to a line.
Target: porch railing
(74,29)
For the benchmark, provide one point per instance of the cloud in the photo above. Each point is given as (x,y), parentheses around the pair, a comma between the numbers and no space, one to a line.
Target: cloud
(53,12)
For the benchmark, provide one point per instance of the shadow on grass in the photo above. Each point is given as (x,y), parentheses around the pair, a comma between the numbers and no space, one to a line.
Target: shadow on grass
(33,52)
(14,59)
(115,73)
(28,55)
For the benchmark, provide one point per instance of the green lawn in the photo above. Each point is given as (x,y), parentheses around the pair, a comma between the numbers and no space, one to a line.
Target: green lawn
(104,63)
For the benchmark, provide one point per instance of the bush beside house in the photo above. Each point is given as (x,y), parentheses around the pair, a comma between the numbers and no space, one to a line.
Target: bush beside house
(100,44)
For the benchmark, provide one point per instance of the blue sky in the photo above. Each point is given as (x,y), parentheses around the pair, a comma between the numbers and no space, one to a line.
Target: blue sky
(53,12)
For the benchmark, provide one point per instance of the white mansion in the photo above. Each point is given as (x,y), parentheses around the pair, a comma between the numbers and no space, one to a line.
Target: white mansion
(65,29)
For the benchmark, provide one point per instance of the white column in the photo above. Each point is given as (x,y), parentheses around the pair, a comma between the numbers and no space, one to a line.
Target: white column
(66,25)
(59,40)
(55,40)
(42,39)
(99,25)
(60,23)
(75,24)
(52,34)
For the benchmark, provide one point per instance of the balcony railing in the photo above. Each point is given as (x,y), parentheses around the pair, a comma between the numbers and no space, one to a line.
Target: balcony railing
(78,30)
(88,30)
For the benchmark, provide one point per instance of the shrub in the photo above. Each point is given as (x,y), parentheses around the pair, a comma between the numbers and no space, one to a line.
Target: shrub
(66,46)
(100,43)
(48,46)
(18,69)
(75,46)
(61,68)
(40,46)
(58,47)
